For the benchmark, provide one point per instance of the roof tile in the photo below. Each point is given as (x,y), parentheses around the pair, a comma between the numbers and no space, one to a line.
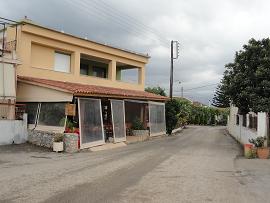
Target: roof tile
(83,89)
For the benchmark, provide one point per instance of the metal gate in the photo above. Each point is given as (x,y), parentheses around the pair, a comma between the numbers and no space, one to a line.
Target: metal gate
(118,120)
(90,121)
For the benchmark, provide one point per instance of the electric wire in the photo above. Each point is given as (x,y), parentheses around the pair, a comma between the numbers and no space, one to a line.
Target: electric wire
(103,14)
(129,19)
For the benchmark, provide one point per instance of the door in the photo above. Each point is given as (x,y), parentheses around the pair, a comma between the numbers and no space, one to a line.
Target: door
(118,120)
(90,121)
(157,123)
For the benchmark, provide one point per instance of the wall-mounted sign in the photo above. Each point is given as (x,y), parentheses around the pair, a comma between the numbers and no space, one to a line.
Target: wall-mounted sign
(70,109)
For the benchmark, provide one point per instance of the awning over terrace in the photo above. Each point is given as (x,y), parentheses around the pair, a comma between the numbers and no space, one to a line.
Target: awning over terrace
(78,89)
(101,111)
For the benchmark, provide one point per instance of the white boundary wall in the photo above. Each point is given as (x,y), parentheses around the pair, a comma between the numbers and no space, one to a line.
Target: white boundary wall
(13,131)
(241,133)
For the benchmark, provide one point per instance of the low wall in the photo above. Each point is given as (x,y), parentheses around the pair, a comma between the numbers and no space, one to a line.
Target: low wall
(241,133)
(46,138)
(41,138)
(177,130)
(138,138)
(140,132)
(13,131)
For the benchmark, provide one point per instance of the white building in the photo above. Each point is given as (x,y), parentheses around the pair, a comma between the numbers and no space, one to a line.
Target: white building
(13,123)
(245,127)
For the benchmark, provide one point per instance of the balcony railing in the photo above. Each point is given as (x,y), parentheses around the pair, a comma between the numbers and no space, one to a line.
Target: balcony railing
(7,47)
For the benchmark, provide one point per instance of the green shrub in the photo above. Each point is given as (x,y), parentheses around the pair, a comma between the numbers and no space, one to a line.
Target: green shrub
(137,124)
(180,112)
(58,137)
(172,108)
(258,142)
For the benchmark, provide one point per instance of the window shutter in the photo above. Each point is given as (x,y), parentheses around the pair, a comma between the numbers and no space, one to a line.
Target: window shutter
(61,62)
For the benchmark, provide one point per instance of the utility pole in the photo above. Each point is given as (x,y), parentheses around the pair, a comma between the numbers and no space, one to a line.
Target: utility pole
(182,91)
(173,57)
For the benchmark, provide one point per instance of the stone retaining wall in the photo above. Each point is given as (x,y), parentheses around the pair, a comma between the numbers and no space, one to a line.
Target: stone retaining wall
(45,139)
(41,138)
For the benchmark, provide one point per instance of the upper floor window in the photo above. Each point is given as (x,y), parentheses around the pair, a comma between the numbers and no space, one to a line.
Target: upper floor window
(93,66)
(61,62)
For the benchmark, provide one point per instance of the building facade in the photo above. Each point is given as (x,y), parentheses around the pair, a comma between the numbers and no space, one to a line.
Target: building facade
(69,83)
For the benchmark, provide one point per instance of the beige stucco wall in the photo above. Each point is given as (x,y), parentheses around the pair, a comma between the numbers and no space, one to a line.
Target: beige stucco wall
(34,93)
(36,46)
(7,81)
(42,56)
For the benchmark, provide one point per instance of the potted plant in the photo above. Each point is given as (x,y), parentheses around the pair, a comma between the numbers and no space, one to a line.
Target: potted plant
(138,128)
(58,144)
(259,143)
(69,126)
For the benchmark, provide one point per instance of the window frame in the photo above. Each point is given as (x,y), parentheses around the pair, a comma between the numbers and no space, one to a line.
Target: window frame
(244,121)
(237,119)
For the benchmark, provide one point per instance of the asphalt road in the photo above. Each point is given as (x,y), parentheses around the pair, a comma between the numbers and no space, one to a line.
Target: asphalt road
(201,164)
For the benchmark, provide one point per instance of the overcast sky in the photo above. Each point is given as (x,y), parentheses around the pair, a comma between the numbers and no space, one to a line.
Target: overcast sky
(209,31)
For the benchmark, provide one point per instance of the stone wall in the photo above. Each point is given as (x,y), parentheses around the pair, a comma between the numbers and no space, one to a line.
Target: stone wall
(45,139)
(41,138)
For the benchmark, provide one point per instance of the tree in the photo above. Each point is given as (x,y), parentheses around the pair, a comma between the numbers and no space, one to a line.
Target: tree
(156,90)
(247,79)
(221,99)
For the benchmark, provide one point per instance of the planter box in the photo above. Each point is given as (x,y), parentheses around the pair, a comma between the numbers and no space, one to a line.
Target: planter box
(140,132)
(134,139)
(71,142)
(263,153)
(58,146)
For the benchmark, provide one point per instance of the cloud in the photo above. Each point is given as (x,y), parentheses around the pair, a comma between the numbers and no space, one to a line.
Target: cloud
(209,32)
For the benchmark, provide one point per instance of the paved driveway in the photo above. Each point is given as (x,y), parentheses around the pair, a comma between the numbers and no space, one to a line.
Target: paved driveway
(201,164)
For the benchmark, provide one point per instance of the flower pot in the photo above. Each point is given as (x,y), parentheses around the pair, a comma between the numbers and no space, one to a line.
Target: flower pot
(248,150)
(263,152)
(58,146)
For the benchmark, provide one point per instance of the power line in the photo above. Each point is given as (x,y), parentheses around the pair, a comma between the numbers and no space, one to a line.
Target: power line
(100,16)
(201,87)
(103,14)
(132,19)
(195,87)
(198,87)
(121,19)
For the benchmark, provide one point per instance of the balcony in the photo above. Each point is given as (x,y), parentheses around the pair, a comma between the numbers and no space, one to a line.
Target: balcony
(93,66)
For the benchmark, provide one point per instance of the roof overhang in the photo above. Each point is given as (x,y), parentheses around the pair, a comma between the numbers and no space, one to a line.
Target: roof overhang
(82,90)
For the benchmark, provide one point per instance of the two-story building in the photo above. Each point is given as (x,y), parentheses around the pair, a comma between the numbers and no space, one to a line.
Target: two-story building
(67,82)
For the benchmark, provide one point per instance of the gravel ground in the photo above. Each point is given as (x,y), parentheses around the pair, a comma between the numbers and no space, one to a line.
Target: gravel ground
(201,164)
